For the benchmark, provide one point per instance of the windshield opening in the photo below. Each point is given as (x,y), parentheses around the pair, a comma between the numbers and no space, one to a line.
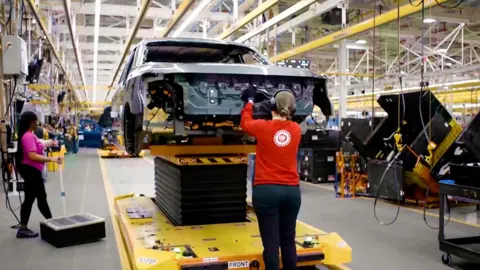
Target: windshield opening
(196,52)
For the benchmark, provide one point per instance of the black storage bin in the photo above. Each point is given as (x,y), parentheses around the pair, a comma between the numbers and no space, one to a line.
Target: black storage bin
(72,230)
(317,165)
(392,186)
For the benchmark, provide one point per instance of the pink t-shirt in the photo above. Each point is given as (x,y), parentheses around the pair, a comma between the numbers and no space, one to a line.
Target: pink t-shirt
(30,143)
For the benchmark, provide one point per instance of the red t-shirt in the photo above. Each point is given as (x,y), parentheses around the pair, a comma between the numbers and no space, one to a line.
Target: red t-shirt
(277,148)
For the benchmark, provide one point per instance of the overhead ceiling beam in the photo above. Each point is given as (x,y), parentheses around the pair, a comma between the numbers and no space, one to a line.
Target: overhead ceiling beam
(119,32)
(177,16)
(38,18)
(164,13)
(182,9)
(314,11)
(242,9)
(379,20)
(141,14)
(248,18)
(101,58)
(66,7)
(98,5)
(192,16)
(89,66)
(103,46)
(326,6)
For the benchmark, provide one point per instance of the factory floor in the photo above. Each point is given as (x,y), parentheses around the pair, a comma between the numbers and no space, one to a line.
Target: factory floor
(90,182)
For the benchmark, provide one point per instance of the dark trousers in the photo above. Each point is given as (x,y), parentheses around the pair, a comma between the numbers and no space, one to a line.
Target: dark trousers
(34,188)
(277,208)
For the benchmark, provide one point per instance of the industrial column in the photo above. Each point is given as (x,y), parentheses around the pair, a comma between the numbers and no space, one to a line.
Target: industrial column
(342,62)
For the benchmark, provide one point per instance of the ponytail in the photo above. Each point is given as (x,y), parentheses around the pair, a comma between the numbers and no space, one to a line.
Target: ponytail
(285,113)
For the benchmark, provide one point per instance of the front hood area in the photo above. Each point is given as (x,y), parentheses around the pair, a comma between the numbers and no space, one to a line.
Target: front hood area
(218,68)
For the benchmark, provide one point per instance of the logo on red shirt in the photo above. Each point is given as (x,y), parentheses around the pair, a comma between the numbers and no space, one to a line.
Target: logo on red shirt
(282,138)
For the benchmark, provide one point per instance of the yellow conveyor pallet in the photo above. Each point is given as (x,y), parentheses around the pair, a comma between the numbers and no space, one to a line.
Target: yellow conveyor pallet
(114,153)
(153,243)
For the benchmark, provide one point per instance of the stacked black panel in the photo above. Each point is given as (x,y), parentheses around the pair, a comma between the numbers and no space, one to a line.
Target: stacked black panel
(201,195)
(361,128)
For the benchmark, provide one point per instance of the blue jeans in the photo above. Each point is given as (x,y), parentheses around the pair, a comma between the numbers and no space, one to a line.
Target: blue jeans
(277,208)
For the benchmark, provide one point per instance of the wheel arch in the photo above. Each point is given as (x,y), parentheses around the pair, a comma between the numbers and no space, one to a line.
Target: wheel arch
(137,100)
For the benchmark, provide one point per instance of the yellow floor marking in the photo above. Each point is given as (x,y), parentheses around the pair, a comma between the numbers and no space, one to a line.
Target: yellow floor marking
(148,160)
(338,267)
(110,198)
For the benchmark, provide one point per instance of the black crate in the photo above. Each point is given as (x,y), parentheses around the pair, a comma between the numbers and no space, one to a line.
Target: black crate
(201,194)
(72,230)
(317,165)
(392,186)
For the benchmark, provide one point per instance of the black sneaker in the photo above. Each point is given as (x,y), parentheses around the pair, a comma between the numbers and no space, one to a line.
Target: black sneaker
(26,233)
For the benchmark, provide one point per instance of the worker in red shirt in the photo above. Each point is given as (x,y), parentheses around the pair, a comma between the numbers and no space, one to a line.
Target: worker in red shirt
(276,192)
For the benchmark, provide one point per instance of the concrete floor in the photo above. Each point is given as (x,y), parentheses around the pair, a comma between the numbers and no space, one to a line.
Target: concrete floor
(407,244)
(85,192)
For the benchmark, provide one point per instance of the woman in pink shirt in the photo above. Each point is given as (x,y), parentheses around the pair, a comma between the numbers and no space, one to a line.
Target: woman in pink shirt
(30,161)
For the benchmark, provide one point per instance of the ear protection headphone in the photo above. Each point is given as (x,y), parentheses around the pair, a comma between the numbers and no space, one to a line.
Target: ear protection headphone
(273,103)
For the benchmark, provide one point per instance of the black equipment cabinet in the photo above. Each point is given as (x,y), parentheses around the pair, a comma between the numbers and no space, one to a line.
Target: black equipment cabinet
(466,247)
(392,186)
(317,165)
(316,156)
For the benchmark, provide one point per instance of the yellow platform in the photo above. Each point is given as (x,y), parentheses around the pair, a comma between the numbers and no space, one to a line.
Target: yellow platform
(156,244)
(116,153)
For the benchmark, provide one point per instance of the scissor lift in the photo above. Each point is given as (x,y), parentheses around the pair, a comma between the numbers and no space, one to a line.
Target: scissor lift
(154,242)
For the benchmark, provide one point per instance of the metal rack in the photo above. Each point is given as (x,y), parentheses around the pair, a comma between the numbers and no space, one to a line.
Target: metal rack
(465,247)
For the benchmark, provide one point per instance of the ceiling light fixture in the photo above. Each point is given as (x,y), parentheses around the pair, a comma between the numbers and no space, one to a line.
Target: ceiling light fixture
(95,48)
(198,9)
(361,41)
(429,20)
